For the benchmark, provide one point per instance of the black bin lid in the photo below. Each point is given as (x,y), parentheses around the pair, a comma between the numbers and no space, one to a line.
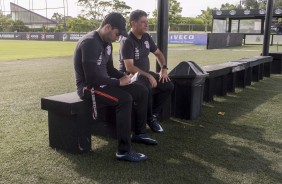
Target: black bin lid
(187,69)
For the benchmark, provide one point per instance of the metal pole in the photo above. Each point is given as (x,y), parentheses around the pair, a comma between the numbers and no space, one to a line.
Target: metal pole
(4,10)
(267,27)
(64,16)
(162,31)
(67,7)
(1,7)
(46,16)
(30,15)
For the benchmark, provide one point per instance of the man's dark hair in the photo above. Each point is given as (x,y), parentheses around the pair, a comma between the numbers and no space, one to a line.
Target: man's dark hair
(136,15)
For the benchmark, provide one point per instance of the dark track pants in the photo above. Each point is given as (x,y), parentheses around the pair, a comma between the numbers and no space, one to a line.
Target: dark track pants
(157,96)
(123,98)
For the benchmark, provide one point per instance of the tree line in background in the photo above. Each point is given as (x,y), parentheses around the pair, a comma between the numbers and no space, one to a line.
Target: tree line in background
(95,10)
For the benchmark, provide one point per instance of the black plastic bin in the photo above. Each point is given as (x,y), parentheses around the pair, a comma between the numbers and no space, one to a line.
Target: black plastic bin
(187,97)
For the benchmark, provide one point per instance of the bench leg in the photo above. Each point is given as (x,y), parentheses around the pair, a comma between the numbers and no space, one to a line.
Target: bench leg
(209,89)
(231,82)
(69,133)
(249,76)
(255,73)
(221,85)
(267,69)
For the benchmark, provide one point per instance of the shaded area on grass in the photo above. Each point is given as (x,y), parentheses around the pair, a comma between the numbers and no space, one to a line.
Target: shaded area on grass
(235,148)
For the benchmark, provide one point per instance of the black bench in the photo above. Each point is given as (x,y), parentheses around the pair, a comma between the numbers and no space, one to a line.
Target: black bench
(225,77)
(276,67)
(257,67)
(237,77)
(267,62)
(216,82)
(71,124)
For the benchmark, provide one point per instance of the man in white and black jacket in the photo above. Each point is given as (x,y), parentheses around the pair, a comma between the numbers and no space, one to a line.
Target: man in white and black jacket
(134,57)
(93,64)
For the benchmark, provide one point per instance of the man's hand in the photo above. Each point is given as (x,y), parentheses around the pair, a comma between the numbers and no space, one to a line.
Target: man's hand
(152,80)
(164,76)
(125,80)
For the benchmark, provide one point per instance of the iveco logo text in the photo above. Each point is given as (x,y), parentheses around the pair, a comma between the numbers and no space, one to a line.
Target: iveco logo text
(182,37)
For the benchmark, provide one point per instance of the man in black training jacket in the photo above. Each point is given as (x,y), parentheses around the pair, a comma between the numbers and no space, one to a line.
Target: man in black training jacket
(94,70)
(134,52)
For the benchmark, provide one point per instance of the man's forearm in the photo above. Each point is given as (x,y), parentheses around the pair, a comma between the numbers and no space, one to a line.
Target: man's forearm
(134,69)
(161,59)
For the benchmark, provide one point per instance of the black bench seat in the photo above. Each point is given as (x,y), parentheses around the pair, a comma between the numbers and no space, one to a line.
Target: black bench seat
(258,67)
(276,65)
(71,124)
(216,82)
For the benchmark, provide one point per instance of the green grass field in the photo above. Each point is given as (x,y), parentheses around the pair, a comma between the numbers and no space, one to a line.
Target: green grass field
(243,146)
(17,50)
